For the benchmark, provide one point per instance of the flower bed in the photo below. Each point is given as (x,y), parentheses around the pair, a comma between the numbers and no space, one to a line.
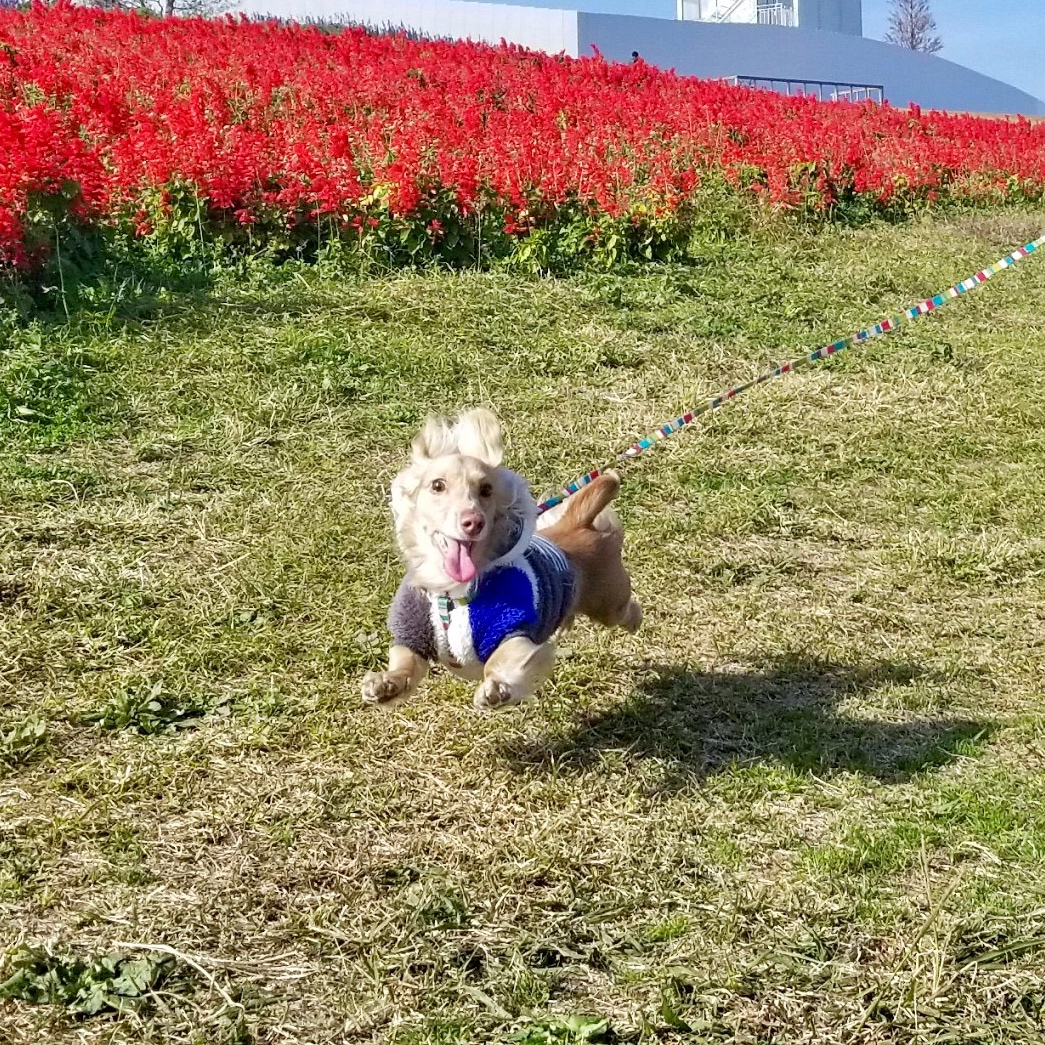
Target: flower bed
(184,131)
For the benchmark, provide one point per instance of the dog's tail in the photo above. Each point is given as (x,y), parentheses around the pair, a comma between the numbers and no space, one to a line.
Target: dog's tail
(583,509)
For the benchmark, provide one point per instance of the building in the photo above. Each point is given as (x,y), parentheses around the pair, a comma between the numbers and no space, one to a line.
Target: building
(834,16)
(807,46)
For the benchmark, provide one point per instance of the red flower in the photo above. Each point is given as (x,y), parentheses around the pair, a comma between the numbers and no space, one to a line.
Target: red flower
(117,118)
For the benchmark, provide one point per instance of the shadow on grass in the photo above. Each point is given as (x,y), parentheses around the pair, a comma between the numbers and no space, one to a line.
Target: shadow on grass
(784,714)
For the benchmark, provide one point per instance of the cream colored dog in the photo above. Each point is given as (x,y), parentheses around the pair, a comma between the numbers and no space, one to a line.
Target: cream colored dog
(484,592)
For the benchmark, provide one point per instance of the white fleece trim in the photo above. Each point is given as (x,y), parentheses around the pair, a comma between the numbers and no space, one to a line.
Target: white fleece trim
(454,643)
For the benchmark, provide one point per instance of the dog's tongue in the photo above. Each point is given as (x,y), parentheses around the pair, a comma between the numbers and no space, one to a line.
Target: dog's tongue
(458,561)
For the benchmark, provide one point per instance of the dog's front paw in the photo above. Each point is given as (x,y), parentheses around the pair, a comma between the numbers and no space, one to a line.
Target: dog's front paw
(384,687)
(492,695)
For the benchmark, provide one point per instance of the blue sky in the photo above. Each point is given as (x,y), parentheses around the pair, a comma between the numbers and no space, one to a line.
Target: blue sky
(1002,38)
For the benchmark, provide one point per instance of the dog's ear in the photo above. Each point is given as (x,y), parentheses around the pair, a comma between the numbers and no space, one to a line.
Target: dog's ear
(478,434)
(404,489)
(435,439)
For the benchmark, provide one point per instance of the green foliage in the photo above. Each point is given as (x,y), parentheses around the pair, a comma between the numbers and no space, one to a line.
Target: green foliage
(72,251)
(568,1030)
(22,741)
(172,238)
(669,929)
(148,709)
(48,391)
(172,223)
(435,904)
(436,1032)
(83,985)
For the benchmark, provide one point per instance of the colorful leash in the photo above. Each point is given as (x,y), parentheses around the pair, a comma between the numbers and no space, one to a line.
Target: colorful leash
(887,325)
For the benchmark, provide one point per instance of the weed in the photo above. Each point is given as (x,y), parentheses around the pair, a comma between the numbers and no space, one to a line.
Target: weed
(22,741)
(147,710)
(569,1030)
(81,984)
(49,393)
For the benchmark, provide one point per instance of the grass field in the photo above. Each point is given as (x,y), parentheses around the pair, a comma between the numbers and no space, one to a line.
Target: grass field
(805,804)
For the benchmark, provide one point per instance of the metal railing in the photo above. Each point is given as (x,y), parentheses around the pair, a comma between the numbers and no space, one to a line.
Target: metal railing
(772,12)
(709,10)
(725,16)
(776,14)
(825,90)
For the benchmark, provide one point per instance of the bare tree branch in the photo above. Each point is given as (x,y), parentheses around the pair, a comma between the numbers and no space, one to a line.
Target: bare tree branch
(911,25)
(167,8)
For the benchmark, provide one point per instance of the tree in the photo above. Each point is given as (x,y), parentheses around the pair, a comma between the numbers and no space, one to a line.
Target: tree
(911,25)
(207,8)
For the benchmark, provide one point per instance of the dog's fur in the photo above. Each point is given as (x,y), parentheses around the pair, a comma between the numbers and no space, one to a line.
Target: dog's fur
(455,508)
(465,458)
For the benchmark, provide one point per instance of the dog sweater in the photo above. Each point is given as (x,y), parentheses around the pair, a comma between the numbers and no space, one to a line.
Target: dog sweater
(530,594)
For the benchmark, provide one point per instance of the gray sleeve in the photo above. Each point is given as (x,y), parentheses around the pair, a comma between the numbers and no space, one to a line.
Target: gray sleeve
(410,622)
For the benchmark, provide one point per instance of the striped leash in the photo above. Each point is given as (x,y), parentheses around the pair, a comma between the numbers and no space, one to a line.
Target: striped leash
(886,326)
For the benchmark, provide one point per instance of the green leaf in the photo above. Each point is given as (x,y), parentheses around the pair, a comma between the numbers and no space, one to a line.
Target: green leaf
(671,1017)
(136,977)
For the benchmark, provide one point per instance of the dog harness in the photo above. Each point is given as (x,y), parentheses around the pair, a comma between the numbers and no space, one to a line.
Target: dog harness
(528,593)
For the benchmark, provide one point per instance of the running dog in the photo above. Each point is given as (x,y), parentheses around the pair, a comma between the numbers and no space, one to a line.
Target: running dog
(487,587)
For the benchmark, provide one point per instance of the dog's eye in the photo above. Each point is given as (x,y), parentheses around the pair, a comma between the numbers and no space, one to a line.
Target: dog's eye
(437,485)
(486,490)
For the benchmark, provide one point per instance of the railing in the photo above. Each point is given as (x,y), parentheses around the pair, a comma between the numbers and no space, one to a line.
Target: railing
(725,16)
(776,14)
(825,90)
(773,12)
(710,10)
(858,92)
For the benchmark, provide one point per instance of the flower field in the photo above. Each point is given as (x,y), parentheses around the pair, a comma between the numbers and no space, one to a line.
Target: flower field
(173,133)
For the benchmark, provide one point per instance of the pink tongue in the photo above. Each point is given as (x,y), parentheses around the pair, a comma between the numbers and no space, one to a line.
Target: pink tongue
(458,561)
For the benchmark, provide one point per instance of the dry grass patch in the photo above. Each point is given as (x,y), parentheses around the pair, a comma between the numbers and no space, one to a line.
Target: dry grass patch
(803,805)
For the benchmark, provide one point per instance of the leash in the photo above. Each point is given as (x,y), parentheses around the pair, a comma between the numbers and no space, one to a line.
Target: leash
(886,326)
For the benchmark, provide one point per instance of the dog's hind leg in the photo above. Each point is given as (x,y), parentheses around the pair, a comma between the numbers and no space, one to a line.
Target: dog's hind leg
(405,672)
(515,669)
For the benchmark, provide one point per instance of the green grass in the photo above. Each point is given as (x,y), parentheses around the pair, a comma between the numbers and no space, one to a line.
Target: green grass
(804,804)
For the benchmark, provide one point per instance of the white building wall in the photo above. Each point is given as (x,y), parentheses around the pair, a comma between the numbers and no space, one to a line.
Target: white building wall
(541,29)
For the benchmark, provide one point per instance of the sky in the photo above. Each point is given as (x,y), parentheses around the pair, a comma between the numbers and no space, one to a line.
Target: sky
(1001,38)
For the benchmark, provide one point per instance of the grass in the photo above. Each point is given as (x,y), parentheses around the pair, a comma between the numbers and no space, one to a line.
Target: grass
(804,804)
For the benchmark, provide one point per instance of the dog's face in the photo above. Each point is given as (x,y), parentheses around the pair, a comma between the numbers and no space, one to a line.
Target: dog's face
(456,509)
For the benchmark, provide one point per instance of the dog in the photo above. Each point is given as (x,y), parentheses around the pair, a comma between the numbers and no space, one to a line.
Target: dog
(487,587)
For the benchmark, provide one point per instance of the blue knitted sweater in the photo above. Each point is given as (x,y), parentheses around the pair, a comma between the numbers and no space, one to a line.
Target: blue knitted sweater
(529,594)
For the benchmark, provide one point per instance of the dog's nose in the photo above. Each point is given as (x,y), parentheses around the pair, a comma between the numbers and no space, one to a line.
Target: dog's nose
(472,523)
